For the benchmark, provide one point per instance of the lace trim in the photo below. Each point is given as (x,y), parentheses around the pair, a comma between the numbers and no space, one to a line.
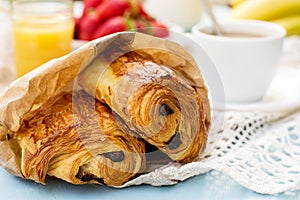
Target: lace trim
(258,145)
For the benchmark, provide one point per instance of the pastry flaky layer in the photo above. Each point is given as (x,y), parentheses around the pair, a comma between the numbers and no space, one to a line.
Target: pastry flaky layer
(76,138)
(127,110)
(155,102)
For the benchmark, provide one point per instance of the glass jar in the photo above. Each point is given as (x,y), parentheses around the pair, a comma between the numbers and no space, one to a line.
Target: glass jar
(42,30)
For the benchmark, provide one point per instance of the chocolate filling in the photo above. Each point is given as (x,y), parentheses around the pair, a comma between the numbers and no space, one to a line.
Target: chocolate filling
(117,156)
(165,110)
(175,141)
(88,177)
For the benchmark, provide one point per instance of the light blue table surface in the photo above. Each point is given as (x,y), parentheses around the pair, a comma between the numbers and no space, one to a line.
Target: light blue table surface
(213,185)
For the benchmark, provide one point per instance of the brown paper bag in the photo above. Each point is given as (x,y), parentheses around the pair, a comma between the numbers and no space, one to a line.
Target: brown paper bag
(35,88)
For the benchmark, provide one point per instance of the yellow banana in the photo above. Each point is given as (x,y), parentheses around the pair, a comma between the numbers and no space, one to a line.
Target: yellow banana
(265,9)
(235,3)
(291,24)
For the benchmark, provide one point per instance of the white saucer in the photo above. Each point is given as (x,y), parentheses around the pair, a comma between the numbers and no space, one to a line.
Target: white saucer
(283,93)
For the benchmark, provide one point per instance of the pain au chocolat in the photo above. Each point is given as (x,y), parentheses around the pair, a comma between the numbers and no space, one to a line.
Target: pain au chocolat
(153,101)
(75,138)
(121,107)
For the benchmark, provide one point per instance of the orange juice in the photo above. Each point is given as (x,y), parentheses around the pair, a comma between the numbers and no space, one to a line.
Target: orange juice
(40,37)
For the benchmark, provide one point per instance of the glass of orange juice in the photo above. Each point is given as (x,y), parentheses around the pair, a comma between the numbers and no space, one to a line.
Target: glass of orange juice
(42,30)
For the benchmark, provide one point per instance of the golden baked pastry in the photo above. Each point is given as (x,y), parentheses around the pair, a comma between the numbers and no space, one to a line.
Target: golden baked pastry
(153,101)
(141,103)
(76,138)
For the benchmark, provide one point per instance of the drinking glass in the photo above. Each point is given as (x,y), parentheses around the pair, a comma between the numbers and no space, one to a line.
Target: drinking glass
(42,30)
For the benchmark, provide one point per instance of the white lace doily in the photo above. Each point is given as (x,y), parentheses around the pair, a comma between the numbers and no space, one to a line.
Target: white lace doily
(257,144)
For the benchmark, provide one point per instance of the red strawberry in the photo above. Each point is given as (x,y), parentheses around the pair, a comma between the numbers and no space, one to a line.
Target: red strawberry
(77,22)
(159,29)
(154,28)
(111,8)
(113,25)
(88,25)
(142,13)
(90,4)
(143,25)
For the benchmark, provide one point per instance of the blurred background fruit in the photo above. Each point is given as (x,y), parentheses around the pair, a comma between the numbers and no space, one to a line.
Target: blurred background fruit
(235,3)
(283,12)
(291,23)
(102,17)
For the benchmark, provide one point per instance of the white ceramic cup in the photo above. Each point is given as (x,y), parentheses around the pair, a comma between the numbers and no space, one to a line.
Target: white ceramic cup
(246,65)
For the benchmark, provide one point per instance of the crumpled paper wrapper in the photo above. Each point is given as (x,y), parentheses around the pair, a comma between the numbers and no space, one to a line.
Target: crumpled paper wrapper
(35,88)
